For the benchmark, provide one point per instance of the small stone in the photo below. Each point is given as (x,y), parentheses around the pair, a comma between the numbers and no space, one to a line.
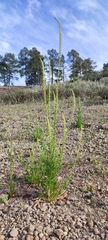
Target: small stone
(59,232)
(59,178)
(102,221)
(39,228)
(78,224)
(31,228)
(28,219)
(89,238)
(87,195)
(44,207)
(2,237)
(96,231)
(48,230)
(103,235)
(23,238)
(14,232)
(65,233)
(100,127)
(26,206)
(36,233)
(1,159)
(106,237)
(65,228)
(91,223)
(29,237)
(24,232)
(91,150)
(36,238)
(83,217)
(70,198)
(43,238)
(41,235)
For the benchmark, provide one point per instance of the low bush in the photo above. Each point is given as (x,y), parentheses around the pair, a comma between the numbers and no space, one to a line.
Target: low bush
(82,89)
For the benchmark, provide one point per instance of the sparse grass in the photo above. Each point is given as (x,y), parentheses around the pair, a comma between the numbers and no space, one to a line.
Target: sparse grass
(2,138)
(3,198)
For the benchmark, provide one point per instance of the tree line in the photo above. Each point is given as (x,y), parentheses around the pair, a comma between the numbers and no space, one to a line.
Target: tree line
(28,64)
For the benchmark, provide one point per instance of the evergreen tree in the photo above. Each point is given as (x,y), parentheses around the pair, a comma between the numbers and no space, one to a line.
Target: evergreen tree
(34,71)
(75,63)
(31,67)
(53,58)
(23,58)
(2,70)
(88,67)
(105,70)
(9,66)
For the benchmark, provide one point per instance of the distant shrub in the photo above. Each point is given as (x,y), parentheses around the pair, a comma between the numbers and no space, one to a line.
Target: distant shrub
(104,80)
(81,88)
(89,89)
(21,97)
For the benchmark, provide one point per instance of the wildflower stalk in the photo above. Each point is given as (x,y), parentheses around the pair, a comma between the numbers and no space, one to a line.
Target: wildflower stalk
(49,165)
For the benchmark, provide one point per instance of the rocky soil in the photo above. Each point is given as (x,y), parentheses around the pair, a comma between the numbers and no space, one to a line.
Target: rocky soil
(82,212)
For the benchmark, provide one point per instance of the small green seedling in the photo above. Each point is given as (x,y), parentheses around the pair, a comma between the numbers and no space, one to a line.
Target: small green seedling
(3,198)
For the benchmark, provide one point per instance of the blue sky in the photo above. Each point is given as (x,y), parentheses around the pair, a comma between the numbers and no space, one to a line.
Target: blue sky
(30,23)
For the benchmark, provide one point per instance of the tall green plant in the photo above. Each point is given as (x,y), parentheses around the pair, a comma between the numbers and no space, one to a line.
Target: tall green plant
(49,165)
(11,183)
(79,122)
(50,161)
(51,155)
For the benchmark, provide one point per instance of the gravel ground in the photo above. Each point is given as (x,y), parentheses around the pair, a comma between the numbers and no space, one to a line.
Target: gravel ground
(82,212)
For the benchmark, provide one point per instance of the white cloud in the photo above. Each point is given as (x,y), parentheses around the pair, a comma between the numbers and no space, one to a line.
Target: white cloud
(88,5)
(80,30)
(32,4)
(5,47)
(7,36)
(9,20)
(59,13)
(94,7)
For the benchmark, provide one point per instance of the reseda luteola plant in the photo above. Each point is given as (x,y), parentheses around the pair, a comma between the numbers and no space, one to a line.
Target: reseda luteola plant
(50,161)
(51,156)
(46,171)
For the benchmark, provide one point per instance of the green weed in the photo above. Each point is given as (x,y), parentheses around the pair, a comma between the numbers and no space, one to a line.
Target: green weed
(38,132)
(45,172)
(3,198)
(11,183)
(31,168)
(79,122)
(2,138)
(0,183)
